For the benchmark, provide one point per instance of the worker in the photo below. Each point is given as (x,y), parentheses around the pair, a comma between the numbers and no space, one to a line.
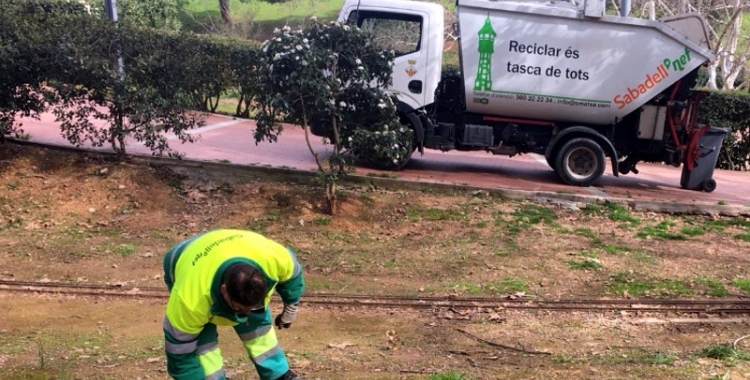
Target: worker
(226,277)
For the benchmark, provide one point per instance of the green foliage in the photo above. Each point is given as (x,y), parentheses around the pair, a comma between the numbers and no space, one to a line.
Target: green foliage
(23,60)
(742,284)
(149,98)
(157,14)
(660,231)
(626,282)
(534,214)
(330,78)
(434,214)
(729,110)
(693,231)
(76,53)
(450,375)
(714,287)
(621,213)
(508,285)
(725,352)
(661,358)
(585,264)
(585,232)
(244,67)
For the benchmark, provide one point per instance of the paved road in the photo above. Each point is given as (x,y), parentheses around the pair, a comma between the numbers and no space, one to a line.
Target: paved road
(228,139)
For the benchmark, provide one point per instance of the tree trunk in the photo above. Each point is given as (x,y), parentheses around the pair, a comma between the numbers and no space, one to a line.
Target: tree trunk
(712,75)
(225,13)
(331,197)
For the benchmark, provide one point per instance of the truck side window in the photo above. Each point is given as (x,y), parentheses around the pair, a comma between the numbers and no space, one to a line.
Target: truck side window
(399,32)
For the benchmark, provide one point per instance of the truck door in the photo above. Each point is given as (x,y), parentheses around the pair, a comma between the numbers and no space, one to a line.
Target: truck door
(402,33)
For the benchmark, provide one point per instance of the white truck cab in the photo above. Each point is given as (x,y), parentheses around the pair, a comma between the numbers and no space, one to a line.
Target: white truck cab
(414,31)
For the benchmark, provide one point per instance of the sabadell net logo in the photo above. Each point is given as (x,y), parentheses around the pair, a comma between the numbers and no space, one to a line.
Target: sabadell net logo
(658,74)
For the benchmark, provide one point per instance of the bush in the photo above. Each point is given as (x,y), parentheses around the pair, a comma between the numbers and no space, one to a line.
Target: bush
(141,82)
(729,110)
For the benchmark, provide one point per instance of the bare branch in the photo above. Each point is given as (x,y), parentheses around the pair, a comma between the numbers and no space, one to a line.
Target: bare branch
(491,343)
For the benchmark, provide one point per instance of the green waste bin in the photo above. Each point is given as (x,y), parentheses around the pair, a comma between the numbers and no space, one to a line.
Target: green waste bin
(700,176)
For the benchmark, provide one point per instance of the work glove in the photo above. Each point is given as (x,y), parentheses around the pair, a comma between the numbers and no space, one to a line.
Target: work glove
(285,319)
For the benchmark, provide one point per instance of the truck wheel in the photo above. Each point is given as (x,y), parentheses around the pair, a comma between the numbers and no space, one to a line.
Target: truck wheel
(580,162)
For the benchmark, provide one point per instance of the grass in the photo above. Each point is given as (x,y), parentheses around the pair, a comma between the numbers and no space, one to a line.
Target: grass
(434,214)
(508,247)
(260,13)
(585,232)
(742,284)
(508,285)
(450,375)
(125,250)
(527,215)
(693,231)
(614,249)
(724,352)
(585,264)
(621,213)
(534,214)
(661,358)
(466,286)
(714,287)
(660,231)
(721,225)
(321,221)
(561,359)
(625,282)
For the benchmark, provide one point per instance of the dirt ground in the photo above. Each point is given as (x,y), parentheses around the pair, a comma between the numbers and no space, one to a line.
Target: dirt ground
(87,219)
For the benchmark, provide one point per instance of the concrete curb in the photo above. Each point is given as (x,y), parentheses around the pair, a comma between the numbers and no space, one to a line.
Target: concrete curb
(229,172)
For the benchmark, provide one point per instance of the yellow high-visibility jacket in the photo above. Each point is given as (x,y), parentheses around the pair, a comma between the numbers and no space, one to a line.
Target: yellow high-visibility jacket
(194,270)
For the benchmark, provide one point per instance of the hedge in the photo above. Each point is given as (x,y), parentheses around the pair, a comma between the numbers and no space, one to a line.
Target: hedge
(730,110)
(59,56)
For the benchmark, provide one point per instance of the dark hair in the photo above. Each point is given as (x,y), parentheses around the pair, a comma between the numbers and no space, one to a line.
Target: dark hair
(245,284)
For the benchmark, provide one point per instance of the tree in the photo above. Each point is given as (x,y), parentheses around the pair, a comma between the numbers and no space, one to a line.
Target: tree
(727,32)
(157,14)
(331,77)
(226,14)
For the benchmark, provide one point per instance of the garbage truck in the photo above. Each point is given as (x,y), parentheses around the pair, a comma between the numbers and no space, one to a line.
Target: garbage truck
(555,78)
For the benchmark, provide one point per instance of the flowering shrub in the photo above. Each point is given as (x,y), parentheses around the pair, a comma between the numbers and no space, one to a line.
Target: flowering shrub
(331,77)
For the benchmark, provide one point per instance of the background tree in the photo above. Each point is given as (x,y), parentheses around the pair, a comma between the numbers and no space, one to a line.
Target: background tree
(331,77)
(157,14)
(728,33)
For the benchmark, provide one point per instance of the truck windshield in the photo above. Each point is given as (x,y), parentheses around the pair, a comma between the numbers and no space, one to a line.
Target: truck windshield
(399,32)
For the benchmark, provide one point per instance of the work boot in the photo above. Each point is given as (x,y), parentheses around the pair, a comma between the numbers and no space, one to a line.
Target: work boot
(290,376)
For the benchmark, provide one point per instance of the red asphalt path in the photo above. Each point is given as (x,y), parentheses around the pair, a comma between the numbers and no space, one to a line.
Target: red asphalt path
(228,139)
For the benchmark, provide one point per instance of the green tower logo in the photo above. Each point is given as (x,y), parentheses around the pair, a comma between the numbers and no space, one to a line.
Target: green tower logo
(486,48)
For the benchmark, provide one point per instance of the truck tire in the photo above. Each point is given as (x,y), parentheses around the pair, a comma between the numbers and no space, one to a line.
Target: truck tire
(550,158)
(580,162)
